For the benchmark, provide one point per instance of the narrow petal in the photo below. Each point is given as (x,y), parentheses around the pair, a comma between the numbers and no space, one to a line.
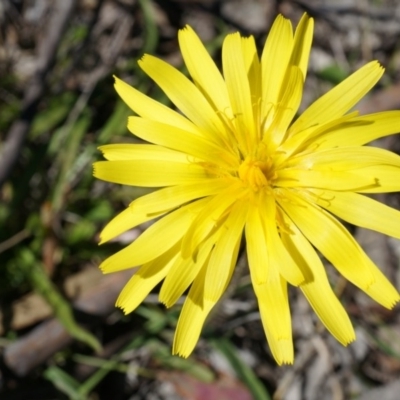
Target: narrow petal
(183,273)
(192,317)
(287,108)
(180,140)
(359,131)
(318,291)
(145,279)
(386,178)
(148,108)
(198,61)
(341,98)
(278,46)
(257,252)
(370,179)
(127,151)
(149,173)
(344,158)
(270,290)
(360,181)
(304,140)
(302,44)
(124,221)
(360,210)
(340,248)
(239,90)
(169,198)
(223,258)
(278,255)
(155,204)
(253,68)
(273,303)
(185,95)
(155,240)
(382,291)
(210,218)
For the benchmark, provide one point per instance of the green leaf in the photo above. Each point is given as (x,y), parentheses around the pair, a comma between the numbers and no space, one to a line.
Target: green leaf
(61,308)
(64,383)
(163,353)
(54,113)
(80,232)
(334,74)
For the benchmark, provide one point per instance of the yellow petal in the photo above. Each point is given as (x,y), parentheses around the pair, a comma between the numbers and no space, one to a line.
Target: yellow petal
(386,178)
(302,44)
(287,108)
(145,279)
(341,98)
(256,242)
(278,46)
(198,61)
(273,303)
(278,255)
(239,90)
(360,169)
(339,247)
(209,218)
(148,173)
(223,258)
(127,151)
(253,68)
(155,240)
(382,291)
(304,140)
(345,158)
(318,290)
(158,203)
(185,95)
(148,108)
(169,198)
(191,320)
(124,221)
(333,180)
(359,130)
(183,272)
(333,241)
(180,140)
(360,210)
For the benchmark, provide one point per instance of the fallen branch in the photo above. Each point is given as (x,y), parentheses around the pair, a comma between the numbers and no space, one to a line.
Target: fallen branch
(50,336)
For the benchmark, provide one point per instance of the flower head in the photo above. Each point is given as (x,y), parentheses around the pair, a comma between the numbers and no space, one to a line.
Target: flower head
(234,161)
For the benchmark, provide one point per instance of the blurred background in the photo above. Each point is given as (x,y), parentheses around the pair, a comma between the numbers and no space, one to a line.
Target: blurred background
(60,334)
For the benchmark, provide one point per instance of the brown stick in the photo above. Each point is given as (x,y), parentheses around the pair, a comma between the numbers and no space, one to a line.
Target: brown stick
(50,336)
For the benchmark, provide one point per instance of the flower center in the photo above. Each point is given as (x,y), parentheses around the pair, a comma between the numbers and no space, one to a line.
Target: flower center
(256,174)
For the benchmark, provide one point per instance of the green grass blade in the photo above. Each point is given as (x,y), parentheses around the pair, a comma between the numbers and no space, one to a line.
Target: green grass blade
(244,372)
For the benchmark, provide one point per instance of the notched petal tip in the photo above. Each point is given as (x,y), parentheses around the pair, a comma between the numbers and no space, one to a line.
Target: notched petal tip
(103,268)
(144,58)
(395,302)
(120,304)
(185,29)
(282,351)
(165,302)
(349,341)
(180,353)
(94,169)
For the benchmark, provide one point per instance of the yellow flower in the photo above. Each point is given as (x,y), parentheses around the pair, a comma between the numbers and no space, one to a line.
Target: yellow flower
(234,161)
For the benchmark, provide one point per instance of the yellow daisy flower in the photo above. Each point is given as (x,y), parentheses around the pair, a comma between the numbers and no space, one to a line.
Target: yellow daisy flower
(234,161)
